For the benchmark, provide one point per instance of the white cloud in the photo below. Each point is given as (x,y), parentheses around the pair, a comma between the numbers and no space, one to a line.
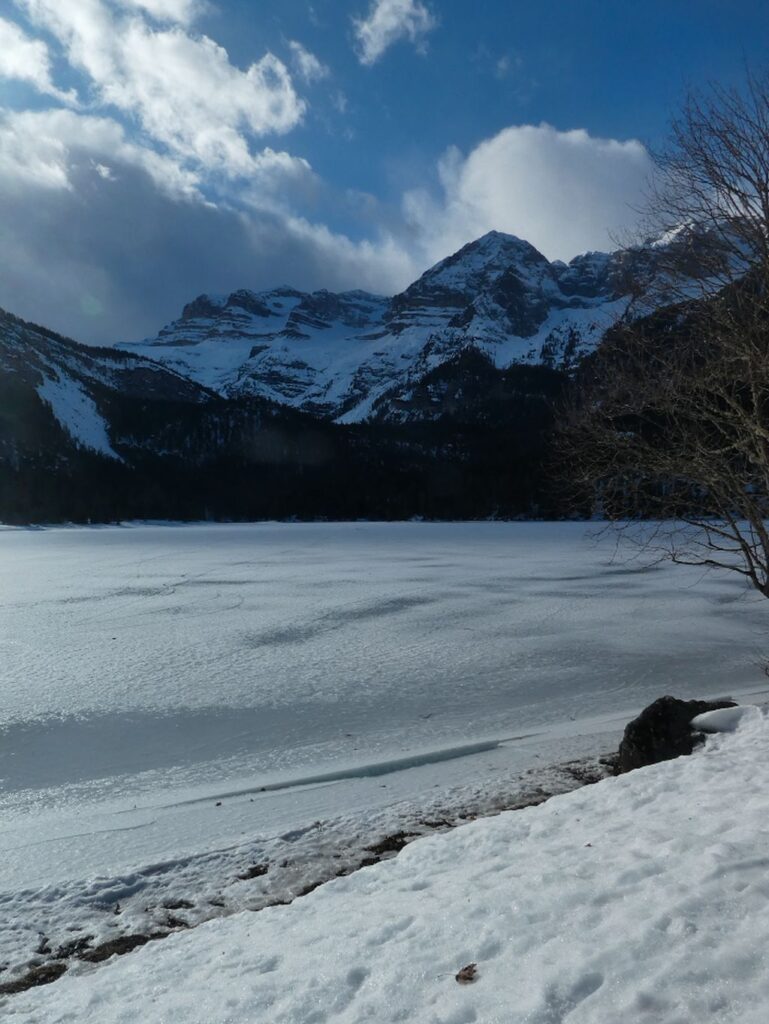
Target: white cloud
(27,60)
(160,183)
(507,65)
(565,192)
(381,265)
(183,89)
(114,212)
(189,97)
(182,11)
(307,64)
(42,149)
(46,149)
(101,247)
(87,210)
(387,22)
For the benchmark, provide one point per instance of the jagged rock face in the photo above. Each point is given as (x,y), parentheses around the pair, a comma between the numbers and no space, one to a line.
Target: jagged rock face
(323,310)
(498,278)
(588,276)
(469,390)
(342,356)
(229,316)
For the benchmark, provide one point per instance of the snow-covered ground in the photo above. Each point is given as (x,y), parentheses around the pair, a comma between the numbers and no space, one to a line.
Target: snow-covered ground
(77,413)
(182,705)
(641,899)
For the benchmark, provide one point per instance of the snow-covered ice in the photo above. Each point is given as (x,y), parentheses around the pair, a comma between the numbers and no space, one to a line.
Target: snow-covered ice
(179,704)
(286,647)
(640,899)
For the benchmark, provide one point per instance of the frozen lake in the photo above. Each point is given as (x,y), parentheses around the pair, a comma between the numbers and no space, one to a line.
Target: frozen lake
(296,671)
(275,649)
(199,654)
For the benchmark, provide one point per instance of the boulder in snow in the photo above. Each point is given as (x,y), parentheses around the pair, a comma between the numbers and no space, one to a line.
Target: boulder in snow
(663,731)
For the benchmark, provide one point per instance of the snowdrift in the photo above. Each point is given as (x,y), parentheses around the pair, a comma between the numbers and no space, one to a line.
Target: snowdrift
(642,898)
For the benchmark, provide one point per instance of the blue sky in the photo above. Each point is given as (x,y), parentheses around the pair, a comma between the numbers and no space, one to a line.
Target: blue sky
(154,149)
(613,67)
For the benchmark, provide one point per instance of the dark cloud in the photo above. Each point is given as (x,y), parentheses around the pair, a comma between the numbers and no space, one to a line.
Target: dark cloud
(113,259)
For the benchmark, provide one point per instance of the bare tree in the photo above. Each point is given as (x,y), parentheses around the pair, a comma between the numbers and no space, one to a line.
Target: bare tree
(671,420)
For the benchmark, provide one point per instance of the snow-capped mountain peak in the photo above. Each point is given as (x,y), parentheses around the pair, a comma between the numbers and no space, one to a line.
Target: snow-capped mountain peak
(345,356)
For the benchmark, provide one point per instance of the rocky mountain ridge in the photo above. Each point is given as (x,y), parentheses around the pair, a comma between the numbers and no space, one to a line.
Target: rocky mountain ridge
(355,356)
(100,435)
(438,402)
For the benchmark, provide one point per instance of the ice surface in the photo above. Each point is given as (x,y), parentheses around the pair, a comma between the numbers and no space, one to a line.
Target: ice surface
(446,631)
(357,675)
(642,898)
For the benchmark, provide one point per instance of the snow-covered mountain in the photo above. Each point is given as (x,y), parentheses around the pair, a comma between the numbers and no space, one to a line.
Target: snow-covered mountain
(443,396)
(58,394)
(102,434)
(355,355)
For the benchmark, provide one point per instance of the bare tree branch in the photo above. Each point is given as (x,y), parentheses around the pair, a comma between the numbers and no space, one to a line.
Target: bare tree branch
(670,420)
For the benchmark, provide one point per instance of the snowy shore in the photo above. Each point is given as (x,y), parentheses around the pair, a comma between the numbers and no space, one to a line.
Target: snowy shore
(641,898)
(73,917)
(200,721)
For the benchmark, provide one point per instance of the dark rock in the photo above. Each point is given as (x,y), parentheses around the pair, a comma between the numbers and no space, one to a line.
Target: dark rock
(247,300)
(174,921)
(584,772)
(37,976)
(611,763)
(255,871)
(310,887)
(118,947)
(392,844)
(178,905)
(75,947)
(202,306)
(663,731)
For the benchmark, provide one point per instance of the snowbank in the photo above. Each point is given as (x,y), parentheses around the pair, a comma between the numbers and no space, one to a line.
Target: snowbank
(724,719)
(642,898)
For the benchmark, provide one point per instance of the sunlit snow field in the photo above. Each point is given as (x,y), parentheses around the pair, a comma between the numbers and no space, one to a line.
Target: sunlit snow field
(292,672)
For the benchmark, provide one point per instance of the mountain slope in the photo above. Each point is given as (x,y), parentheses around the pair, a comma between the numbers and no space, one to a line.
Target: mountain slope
(342,356)
(101,434)
(443,397)
(89,434)
(58,396)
